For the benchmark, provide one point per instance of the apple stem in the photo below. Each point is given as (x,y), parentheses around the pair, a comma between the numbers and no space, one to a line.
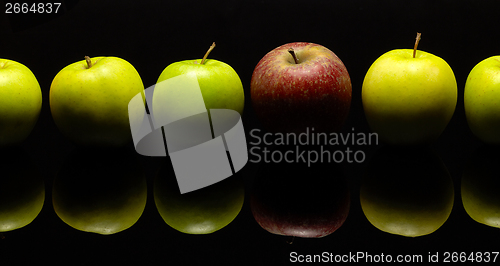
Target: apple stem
(89,62)
(208,52)
(416,44)
(292,52)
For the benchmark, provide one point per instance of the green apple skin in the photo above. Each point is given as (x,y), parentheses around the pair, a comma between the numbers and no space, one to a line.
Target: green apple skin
(482,100)
(90,105)
(409,101)
(20,102)
(406,192)
(219,83)
(100,190)
(479,186)
(199,212)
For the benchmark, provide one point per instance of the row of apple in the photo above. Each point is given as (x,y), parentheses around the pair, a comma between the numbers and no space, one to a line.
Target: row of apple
(409,96)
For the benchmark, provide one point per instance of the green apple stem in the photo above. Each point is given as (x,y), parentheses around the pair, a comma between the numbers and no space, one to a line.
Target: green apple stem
(416,44)
(207,53)
(89,62)
(292,52)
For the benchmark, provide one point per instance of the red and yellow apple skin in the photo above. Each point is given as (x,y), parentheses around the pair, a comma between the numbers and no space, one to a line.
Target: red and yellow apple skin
(290,97)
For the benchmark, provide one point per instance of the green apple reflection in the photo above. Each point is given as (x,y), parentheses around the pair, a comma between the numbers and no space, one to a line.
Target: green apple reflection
(202,211)
(22,190)
(480,183)
(102,191)
(406,192)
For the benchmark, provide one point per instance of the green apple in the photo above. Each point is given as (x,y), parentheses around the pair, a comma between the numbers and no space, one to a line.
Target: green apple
(203,211)
(89,101)
(407,192)
(480,184)
(20,102)
(22,190)
(100,190)
(219,83)
(482,98)
(409,96)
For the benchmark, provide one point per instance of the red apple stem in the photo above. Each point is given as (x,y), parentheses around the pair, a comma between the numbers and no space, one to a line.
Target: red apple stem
(292,52)
(207,53)
(89,62)
(416,44)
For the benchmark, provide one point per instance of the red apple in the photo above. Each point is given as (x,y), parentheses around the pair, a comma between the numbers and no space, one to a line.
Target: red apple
(312,91)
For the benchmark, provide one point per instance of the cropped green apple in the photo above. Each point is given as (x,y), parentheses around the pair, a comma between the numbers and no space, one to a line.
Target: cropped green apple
(409,96)
(479,186)
(89,100)
(482,98)
(219,83)
(20,102)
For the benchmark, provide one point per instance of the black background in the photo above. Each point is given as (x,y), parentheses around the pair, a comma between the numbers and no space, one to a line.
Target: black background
(152,34)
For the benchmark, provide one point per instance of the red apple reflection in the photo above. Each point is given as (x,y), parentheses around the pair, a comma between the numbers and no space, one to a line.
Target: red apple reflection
(292,199)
